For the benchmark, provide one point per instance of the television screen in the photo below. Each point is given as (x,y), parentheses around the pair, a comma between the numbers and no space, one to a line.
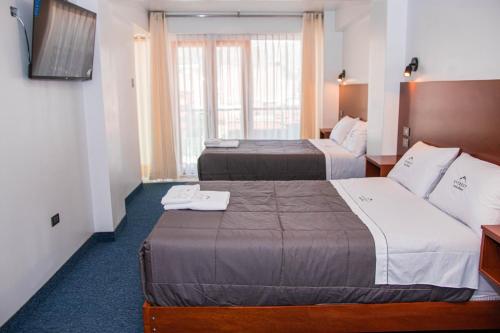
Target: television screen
(63,41)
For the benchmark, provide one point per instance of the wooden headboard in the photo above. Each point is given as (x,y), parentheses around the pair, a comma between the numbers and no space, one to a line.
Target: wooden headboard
(463,114)
(353,101)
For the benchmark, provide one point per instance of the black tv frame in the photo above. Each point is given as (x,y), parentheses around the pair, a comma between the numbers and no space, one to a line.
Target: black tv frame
(61,78)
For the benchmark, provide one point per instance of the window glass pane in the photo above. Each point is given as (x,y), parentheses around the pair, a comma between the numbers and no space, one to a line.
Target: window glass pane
(192,105)
(276,87)
(229,92)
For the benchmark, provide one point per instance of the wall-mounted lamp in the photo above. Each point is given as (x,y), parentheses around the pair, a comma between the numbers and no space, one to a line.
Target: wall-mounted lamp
(341,77)
(412,67)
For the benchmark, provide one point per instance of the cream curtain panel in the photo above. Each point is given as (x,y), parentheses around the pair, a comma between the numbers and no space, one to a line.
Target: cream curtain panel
(143,90)
(162,137)
(312,75)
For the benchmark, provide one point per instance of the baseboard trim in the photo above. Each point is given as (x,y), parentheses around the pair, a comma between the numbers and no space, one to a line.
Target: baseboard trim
(58,276)
(65,268)
(104,236)
(134,193)
(110,236)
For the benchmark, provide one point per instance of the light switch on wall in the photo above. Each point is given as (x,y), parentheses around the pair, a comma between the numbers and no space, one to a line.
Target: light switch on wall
(406,132)
(406,142)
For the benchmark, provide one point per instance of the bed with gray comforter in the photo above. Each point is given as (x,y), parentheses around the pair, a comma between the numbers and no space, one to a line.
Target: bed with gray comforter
(263,160)
(278,243)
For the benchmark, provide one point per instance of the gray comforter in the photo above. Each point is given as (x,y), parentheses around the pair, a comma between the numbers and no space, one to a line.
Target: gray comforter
(278,243)
(263,160)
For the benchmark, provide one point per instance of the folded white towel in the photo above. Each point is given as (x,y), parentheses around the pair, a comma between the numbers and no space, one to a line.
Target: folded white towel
(218,143)
(180,194)
(204,200)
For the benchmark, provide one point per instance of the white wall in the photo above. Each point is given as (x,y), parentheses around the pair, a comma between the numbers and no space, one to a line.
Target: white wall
(66,147)
(356,50)
(120,104)
(454,39)
(346,15)
(111,111)
(332,68)
(96,135)
(43,170)
(388,26)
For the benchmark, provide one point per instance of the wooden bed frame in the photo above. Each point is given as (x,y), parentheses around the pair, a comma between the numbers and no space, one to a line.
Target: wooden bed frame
(390,317)
(439,113)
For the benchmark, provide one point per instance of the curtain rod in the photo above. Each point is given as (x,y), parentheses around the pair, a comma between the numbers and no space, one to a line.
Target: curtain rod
(233,14)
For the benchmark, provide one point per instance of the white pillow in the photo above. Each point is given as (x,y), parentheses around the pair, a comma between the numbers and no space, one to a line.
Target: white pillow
(342,128)
(470,192)
(422,166)
(355,141)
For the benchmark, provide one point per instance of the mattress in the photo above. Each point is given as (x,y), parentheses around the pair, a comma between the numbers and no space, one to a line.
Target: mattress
(263,160)
(278,243)
(415,242)
(340,163)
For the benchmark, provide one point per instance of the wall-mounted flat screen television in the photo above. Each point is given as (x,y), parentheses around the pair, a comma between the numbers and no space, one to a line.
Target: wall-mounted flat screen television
(63,41)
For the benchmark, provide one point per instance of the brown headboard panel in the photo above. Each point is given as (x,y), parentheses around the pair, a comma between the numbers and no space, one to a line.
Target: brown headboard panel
(463,114)
(353,101)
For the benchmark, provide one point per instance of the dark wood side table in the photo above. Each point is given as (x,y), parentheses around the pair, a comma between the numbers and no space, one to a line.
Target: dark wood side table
(489,264)
(380,165)
(324,133)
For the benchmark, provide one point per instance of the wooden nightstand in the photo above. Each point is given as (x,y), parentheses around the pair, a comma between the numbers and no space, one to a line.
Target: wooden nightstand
(489,264)
(380,165)
(324,133)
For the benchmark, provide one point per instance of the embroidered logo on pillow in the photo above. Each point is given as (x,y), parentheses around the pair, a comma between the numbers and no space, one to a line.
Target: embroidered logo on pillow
(460,183)
(364,198)
(408,162)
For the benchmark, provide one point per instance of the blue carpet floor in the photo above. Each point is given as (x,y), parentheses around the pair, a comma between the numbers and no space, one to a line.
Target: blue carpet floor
(99,289)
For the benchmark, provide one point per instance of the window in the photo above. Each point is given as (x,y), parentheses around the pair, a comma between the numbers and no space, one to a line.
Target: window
(229,66)
(192,106)
(235,87)
(276,90)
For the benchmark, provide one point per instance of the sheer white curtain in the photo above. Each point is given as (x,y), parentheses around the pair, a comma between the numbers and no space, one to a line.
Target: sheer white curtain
(235,86)
(190,95)
(276,86)
(143,90)
(231,81)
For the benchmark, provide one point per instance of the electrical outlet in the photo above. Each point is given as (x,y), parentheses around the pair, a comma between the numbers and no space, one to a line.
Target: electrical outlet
(55,220)
(406,132)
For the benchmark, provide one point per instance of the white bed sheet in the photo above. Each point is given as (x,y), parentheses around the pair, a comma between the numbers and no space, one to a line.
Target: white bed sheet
(340,162)
(416,243)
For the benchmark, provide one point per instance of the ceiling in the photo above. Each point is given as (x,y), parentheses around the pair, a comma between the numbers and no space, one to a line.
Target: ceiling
(244,5)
